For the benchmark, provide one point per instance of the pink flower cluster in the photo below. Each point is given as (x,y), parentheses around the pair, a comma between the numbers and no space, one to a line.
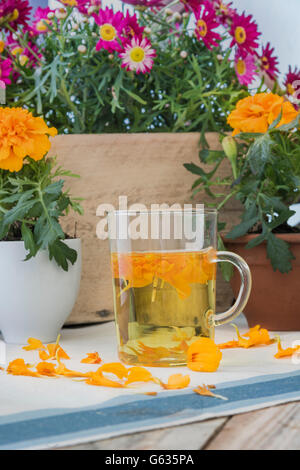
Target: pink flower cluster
(124,35)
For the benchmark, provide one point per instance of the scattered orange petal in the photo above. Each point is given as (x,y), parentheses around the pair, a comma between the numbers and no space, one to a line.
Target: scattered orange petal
(285,352)
(139,374)
(63,370)
(151,394)
(256,336)
(46,368)
(1,368)
(176,381)
(205,391)
(92,358)
(228,345)
(115,368)
(18,367)
(204,356)
(96,378)
(33,344)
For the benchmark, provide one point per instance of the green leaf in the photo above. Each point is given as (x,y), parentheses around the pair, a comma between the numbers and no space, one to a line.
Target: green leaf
(276,121)
(242,228)
(211,156)
(259,154)
(134,96)
(62,254)
(27,237)
(279,253)
(25,203)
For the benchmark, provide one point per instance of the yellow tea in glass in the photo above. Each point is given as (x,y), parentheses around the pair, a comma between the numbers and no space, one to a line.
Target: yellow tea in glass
(165,299)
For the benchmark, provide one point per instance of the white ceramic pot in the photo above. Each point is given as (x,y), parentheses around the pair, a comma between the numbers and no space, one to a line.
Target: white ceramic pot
(37,295)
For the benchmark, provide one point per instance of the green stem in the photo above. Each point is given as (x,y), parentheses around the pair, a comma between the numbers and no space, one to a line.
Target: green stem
(229,196)
(25,44)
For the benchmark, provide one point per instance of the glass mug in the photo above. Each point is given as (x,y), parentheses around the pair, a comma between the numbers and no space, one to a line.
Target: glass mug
(164,282)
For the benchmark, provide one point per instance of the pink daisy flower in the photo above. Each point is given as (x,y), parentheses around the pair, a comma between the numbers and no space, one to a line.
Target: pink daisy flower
(111,27)
(245,68)
(206,22)
(191,5)
(85,5)
(132,27)
(138,55)
(5,71)
(145,3)
(14,12)
(292,82)
(23,55)
(268,62)
(224,11)
(244,33)
(41,20)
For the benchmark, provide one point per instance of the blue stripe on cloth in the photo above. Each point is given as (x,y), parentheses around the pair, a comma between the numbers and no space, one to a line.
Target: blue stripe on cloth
(127,414)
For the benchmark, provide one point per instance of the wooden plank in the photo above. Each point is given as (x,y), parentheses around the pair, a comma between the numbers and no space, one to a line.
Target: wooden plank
(148,168)
(276,428)
(187,437)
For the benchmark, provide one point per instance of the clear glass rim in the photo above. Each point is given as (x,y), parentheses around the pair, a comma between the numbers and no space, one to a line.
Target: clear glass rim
(161,211)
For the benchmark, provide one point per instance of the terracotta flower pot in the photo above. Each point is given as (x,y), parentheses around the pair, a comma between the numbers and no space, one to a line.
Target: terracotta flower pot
(274,302)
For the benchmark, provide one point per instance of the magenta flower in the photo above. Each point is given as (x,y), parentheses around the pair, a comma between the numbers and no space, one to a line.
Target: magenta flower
(41,20)
(245,68)
(224,11)
(111,27)
(145,3)
(244,33)
(206,22)
(131,27)
(14,12)
(268,62)
(23,56)
(191,5)
(85,5)
(138,55)
(5,71)
(292,82)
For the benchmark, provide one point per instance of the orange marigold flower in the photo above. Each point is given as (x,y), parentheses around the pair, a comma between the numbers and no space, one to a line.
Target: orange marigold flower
(92,358)
(46,368)
(205,391)
(285,352)
(33,344)
(22,135)
(176,382)
(203,356)
(18,367)
(256,113)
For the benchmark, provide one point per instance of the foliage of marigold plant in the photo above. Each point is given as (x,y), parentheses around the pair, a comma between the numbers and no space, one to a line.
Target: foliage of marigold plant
(265,174)
(32,197)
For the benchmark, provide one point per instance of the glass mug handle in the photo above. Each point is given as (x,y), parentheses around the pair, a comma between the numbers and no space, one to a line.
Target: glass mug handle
(245,289)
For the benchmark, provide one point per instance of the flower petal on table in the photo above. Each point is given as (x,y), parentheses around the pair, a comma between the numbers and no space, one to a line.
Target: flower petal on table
(288,352)
(92,358)
(18,367)
(115,368)
(176,382)
(205,391)
(139,374)
(46,368)
(203,356)
(33,344)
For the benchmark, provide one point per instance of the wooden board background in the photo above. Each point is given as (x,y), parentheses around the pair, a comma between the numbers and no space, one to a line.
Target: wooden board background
(148,168)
